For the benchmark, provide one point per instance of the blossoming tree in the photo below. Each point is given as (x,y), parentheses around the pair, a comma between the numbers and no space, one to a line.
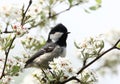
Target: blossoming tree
(16,26)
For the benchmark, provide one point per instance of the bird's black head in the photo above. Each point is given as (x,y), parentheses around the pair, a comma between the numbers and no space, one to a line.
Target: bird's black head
(58,35)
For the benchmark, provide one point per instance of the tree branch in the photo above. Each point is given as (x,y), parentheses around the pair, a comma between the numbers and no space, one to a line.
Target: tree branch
(6,29)
(90,63)
(117,44)
(6,54)
(94,60)
(114,47)
(24,13)
(72,78)
(6,32)
(51,16)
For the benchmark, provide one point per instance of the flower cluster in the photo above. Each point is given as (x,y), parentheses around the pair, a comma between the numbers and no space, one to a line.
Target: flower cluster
(90,47)
(5,41)
(13,67)
(61,70)
(34,10)
(10,13)
(64,66)
(87,77)
(19,30)
(6,80)
(32,43)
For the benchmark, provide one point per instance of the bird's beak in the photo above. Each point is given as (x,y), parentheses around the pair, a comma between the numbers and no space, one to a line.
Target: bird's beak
(68,32)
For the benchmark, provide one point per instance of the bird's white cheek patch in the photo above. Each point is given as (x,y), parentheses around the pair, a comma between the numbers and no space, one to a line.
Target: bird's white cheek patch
(54,37)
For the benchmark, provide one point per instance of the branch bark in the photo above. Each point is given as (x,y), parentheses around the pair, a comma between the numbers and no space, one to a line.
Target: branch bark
(6,57)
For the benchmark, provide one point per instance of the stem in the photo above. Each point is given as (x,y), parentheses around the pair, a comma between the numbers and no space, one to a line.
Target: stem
(6,54)
(24,13)
(84,62)
(51,16)
(45,74)
(72,78)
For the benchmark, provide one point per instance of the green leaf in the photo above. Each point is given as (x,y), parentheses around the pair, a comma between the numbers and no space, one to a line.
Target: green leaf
(93,8)
(87,11)
(70,1)
(99,1)
(1,81)
(17,57)
(12,46)
(51,1)
(15,69)
(76,45)
(27,17)
(118,45)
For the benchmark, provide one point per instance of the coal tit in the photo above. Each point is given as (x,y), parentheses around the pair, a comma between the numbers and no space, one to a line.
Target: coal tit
(54,47)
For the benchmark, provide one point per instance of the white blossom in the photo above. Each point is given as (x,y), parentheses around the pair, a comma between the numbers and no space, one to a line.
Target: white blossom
(10,13)
(88,76)
(90,47)
(64,65)
(19,29)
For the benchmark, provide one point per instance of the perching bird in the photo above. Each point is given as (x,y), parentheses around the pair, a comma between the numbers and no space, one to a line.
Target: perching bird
(54,47)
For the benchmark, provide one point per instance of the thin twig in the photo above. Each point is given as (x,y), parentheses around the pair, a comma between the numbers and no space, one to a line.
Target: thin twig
(71,6)
(51,16)
(72,78)
(37,78)
(24,13)
(6,29)
(117,43)
(45,74)
(84,62)
(6,54)
(7,32)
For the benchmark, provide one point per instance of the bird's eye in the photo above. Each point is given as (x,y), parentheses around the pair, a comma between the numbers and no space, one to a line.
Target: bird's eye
(52,32)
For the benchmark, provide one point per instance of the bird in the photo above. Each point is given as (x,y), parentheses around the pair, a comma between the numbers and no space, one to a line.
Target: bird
(55,47)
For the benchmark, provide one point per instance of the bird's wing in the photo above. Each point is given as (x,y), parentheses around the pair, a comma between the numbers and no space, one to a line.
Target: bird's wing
(47,48)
